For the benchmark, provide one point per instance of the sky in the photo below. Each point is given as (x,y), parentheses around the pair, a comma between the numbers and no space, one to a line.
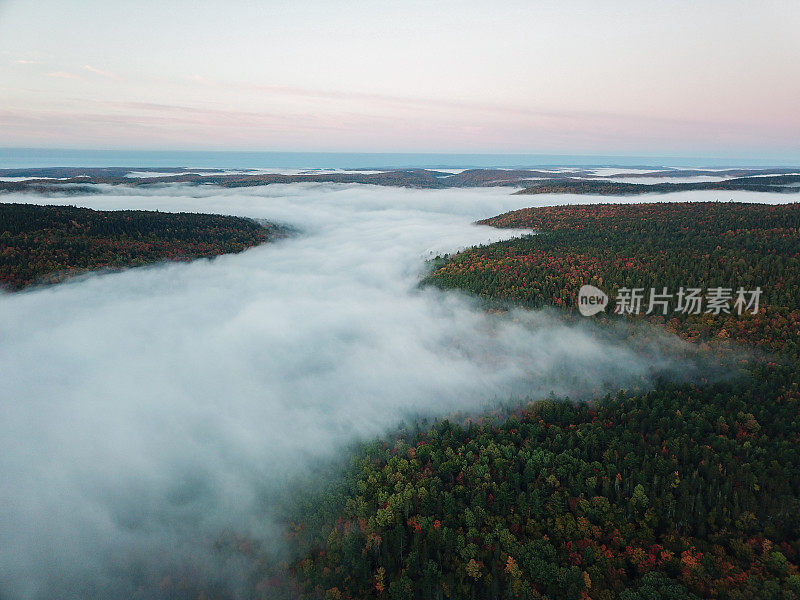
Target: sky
(620,77)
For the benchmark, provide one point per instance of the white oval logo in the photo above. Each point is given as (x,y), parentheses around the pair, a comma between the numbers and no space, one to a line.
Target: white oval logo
(591,300)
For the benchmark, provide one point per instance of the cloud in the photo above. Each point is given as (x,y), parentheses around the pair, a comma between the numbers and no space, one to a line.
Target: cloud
(63,75)
(101,72)
(146,413)
(202,80)
(297,119)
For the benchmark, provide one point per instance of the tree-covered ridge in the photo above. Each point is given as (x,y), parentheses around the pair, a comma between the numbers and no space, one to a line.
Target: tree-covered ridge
(779,184)
(683,220)
(655,245)
(47,244)
(78,180)
(690,491)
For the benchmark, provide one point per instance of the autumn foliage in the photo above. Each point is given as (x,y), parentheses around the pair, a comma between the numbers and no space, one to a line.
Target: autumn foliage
(672,245)
(47,244)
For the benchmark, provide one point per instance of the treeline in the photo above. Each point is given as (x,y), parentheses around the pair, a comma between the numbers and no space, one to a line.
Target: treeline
(681,492)
(532,181)
(781,184)
(47,244)
(656,245)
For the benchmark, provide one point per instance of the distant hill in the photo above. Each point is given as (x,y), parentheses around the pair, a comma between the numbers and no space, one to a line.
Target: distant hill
(782,184)
(76,180)
(48,244)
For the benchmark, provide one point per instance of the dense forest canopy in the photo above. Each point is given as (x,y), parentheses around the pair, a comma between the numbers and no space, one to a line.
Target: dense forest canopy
(579,181)
(779,184)
(656,245)
(47,244)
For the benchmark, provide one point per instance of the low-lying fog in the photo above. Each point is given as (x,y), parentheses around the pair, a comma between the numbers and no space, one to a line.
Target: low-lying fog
(143,413)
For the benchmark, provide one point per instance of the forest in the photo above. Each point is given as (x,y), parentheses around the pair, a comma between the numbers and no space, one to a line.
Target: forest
(689,490)
(653,245)
(49,244)
(529,181)
(779,184)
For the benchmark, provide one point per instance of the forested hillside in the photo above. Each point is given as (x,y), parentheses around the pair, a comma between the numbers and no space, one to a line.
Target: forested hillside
(779,184)
(674,245)
(47,244)
(685,491)
(72,181)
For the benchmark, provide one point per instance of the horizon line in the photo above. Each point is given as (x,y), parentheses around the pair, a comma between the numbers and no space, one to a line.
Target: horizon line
(10,154)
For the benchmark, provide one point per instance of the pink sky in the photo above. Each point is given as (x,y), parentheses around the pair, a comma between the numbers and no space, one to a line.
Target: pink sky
(682,78)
